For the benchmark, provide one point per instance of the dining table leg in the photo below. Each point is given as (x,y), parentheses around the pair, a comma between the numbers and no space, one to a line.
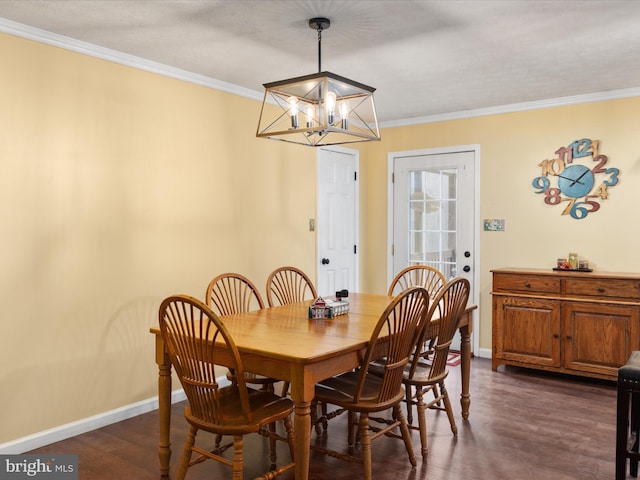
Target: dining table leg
(465,365)
(164,405)
(302,395)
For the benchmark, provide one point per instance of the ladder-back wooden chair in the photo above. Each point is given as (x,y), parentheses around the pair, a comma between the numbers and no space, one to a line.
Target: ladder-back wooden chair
(361,393)
(190,331)
(287,285)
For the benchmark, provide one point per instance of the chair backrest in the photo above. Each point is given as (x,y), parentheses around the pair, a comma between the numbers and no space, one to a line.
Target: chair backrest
(231,293)
(446,308)
(190,330)
(287,285)
(393,339)
(423,275)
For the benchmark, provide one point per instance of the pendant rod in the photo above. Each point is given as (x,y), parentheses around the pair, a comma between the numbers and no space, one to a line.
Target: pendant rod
(319,49)
(319,24)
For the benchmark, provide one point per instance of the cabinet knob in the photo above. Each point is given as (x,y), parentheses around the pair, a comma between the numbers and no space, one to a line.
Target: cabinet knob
(568,337)
(527,284)
(601,290)
(555,335)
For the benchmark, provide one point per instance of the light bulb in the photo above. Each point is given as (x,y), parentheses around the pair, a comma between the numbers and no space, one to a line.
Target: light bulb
(293,108)
(331,107)
(343,107)
(310,113)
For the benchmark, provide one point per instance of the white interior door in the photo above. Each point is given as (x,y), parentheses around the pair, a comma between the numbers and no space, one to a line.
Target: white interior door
(337,225)
(433,212)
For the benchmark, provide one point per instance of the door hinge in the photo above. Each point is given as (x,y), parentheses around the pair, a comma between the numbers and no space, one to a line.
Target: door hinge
(393,251)
(355,249)
(393,177)
(355,176)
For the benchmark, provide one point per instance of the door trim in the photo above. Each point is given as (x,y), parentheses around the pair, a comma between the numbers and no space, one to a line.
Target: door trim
(475,148)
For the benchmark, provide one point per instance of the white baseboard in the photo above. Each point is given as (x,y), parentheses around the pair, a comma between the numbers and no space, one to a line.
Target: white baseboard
(484,353)
(62,432)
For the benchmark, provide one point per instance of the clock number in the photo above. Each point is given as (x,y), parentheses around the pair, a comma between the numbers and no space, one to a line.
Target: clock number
(601,192)
(552,167)
(578,210)
(552,196)
(602,161)
(583,148)
(565,154)
(540,183)
(614,172)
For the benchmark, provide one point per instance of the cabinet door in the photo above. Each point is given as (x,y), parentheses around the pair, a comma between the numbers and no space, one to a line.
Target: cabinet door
(528,331)
(599,338)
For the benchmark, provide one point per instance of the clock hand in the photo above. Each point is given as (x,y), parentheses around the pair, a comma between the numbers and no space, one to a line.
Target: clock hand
(577,180)
(574,181)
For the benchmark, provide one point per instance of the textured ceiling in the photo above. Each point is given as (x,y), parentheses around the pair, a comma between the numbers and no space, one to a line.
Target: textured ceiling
(424,57)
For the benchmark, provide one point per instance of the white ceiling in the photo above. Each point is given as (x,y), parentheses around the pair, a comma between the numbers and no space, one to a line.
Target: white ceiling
(424,57)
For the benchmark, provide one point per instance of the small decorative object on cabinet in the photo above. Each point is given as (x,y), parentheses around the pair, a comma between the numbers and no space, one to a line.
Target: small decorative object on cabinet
(579,323)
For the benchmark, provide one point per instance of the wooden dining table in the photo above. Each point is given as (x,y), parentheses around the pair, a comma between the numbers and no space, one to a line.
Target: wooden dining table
(283,343)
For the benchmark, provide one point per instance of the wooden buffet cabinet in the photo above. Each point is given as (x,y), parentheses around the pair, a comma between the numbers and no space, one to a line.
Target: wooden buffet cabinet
(579,323)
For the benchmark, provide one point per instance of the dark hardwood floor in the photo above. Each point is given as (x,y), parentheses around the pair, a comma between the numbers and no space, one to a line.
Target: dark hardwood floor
(523,425)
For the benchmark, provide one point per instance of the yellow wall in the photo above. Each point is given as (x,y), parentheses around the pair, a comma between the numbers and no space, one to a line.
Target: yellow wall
(120,187)
(512,145)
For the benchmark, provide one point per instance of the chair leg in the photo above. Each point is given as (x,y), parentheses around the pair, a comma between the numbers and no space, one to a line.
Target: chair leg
(422,421)
(291,436)
(272,445)
(238,460)
(325,421)
(634,426)
(363,427)
(449,409)
(409,401)
(352,424)
(622,429)
(406,435)
(186,452)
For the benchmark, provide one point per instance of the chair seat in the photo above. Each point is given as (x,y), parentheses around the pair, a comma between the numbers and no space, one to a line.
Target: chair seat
(265,407)
(420,375)
(631,370)
(340,390)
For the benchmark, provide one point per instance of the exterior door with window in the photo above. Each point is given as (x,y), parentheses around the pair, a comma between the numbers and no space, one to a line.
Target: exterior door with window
(434,212)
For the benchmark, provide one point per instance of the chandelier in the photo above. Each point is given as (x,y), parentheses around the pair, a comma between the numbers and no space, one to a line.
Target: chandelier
(318,109)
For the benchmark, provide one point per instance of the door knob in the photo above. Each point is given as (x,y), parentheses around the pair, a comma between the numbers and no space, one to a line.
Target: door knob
(467,254)
(325,261)
(466,268)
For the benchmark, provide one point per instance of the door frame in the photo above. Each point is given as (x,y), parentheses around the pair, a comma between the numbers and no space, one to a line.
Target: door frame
(475,148)
(356,187)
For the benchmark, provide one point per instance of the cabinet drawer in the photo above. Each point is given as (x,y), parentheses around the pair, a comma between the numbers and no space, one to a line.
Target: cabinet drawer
(619,288)
(512,282)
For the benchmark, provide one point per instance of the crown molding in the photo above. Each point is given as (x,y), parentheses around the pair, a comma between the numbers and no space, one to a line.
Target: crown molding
(85,48)
(516,107)
(78,46)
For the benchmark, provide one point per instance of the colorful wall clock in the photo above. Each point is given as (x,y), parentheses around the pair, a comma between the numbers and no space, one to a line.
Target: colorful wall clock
(579,178)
